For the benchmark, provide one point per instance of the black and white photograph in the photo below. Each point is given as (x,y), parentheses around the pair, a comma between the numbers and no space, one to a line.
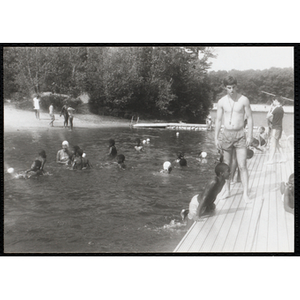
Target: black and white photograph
(148,149)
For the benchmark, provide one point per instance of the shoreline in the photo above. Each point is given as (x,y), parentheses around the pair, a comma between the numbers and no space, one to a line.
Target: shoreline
(23,120)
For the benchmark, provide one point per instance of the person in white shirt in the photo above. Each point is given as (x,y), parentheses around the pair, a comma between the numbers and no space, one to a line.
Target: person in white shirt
(36,106)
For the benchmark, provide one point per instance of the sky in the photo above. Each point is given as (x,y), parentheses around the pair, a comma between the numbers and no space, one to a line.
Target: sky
(256,58)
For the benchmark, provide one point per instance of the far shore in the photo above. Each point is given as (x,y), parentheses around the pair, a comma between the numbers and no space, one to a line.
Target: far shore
(22,120)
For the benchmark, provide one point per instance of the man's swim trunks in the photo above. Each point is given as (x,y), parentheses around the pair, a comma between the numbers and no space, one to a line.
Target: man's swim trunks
(232,138)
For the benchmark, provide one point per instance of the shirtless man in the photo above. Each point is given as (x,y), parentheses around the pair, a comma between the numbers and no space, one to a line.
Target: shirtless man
(234,107)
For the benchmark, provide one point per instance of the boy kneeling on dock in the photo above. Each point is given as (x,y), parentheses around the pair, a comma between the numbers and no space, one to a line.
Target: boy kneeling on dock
(205,203)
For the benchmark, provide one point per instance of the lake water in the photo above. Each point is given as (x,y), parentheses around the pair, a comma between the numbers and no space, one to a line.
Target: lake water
(104,209)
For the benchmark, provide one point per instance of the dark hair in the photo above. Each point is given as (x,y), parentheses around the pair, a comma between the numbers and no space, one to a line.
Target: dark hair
(229,80)
(262,127)
(138,141)
(183,162)
(42,153)
(180,155)
(120,158)
(76,148)
(111,142)
(80,152)
(221,168)
(291,178)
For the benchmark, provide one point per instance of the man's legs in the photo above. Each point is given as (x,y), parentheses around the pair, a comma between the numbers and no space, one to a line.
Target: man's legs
(273,146)
(241,155)
(228,161)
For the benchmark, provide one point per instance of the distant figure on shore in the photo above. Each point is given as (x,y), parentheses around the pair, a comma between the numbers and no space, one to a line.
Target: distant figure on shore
(205,203)
(51,113)
(112,148)
(208,122)
(71,112)
(269,120)
(167,168)
(64,112)
(121,161)
(233,107)
(288,192)
(138,146)
(36,106)
(276,132)
(63,155)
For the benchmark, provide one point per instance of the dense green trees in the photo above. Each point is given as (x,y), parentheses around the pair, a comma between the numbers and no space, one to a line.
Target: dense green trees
(277,81)
(156,82)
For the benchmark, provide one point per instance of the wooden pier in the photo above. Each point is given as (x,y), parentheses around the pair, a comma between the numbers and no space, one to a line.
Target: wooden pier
(262,226)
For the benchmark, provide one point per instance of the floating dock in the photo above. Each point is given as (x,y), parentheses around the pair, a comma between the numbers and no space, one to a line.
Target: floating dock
(174,126)
(262,226)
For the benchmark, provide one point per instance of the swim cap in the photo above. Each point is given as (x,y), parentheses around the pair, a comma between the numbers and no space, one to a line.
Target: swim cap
(166,165)
(65,143)
(148,140)
(10,170)
(144,141)
(203,154)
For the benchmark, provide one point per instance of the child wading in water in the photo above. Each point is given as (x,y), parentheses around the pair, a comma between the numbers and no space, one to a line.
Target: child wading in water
(205,203)
(37,167)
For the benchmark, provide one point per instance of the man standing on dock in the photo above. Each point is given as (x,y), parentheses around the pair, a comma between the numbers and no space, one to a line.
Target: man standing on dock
(233,107)
(277,115)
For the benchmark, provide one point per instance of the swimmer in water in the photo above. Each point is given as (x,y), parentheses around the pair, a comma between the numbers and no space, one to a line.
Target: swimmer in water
(121,161)
(138,146)
(205,203)
(63,155)
(167,167)
(181,160)
(112,149)
(85,162)
(77,161)
(37,167)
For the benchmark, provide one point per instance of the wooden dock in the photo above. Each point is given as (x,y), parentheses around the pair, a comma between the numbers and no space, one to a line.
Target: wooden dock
(262,226)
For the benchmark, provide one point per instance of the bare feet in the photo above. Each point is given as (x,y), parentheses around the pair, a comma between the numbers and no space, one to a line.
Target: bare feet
(247,198)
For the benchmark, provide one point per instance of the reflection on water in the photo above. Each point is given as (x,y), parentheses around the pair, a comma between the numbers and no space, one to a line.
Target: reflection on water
(104,209)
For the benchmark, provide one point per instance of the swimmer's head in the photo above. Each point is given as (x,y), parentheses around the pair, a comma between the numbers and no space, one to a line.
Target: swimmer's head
(120,158)
(148,140)
(177,133)
(42,154)
(167,166)
(138,141)
(261,129)
(180,155)
(144,141)
(79,152)
(75,149)
(222,169)
(203,154)
(250,153)
(83,154)
(65,144)
(291,180)
(183,162)
(111,142)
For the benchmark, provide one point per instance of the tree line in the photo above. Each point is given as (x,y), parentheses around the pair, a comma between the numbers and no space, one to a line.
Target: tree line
(153,82)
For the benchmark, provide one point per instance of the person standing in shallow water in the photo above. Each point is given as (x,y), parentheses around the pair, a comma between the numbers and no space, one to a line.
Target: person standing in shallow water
(232,108)
(64,112)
